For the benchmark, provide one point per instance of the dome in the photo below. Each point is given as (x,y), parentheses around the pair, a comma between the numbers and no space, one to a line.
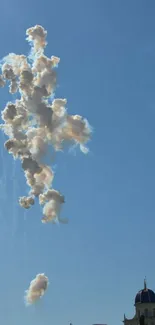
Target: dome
(145,296)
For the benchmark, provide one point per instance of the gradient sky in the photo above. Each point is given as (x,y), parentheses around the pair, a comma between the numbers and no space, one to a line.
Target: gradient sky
(97,263)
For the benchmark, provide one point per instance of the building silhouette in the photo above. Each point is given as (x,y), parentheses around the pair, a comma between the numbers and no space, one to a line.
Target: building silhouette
(144,308)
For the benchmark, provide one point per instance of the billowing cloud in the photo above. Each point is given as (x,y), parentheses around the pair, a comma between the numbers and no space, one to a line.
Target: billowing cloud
(34,122)
(37,288)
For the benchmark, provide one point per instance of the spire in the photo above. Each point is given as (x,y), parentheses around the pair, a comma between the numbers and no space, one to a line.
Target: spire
(124,317)
(145,285)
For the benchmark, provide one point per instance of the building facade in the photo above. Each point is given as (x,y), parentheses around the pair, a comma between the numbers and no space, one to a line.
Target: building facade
(144,305)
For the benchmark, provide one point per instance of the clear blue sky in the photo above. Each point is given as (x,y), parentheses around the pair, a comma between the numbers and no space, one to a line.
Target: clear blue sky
(97,263)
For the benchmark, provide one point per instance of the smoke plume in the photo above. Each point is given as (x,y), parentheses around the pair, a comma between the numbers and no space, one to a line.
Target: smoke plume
(37,289)
(33,124)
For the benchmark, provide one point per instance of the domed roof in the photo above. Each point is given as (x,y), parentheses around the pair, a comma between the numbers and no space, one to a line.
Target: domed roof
(145,296)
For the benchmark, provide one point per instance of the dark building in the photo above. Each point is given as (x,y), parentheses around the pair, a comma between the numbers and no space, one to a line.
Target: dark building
(144,308)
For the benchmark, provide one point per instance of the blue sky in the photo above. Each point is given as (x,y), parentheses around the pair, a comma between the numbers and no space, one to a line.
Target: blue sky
(97,263)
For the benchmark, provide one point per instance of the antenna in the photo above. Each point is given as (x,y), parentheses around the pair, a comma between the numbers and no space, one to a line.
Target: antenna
(145,285)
